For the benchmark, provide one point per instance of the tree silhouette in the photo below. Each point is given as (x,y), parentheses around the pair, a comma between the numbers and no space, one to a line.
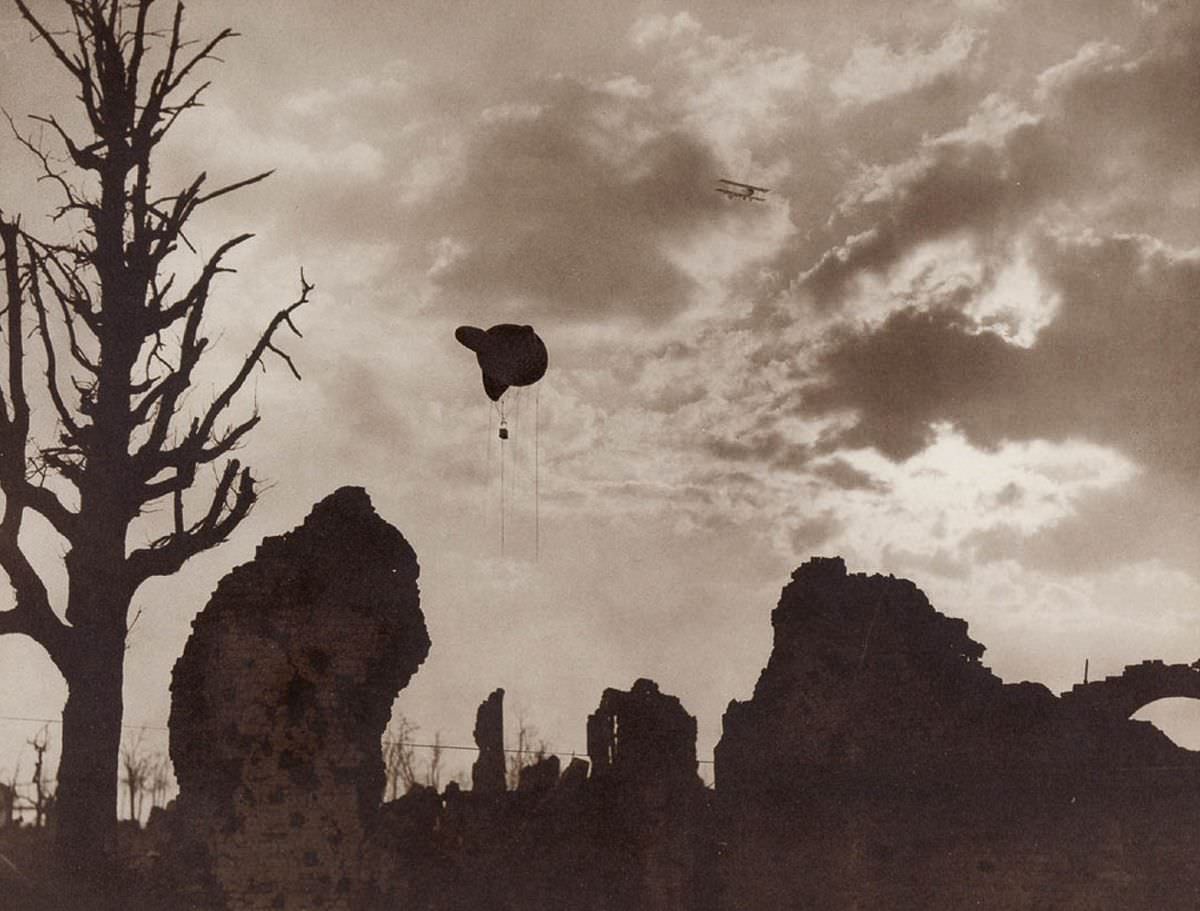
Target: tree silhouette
(433,771)
(526,754)
(160,781)
(114,343)
(42,797)
(399,758)
(8,798)
(136,770)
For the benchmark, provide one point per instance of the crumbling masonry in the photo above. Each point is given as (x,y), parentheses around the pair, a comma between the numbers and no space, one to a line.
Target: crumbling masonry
(279,702)
(878,764)
(487,774)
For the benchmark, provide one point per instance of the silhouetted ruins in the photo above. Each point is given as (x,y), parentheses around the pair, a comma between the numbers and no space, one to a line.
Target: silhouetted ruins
(279,702)
(488,773)
(878,764)
(638,838)
(881,764)
(641,736)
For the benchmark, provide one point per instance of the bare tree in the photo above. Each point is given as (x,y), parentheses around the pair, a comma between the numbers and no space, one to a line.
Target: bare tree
(399,758)
(136,768)
(8,800)
(526,753)
(41,789)
(160,779)
(116,344)
(433,771)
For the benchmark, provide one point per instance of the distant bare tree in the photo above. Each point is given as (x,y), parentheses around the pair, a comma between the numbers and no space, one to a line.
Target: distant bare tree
(10,799)
(116,343)
(526,753)
(161,779)
(41,790)
(399,758)
(433,771)
(136,769)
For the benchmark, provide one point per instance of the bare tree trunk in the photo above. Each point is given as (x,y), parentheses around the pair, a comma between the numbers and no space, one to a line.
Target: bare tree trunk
(40,744)
(433,776)
(86,802)
(97,607)
(8,799)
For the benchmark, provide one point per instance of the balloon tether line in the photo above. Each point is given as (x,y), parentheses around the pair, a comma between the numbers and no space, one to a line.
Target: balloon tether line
(537,425)
(502,496)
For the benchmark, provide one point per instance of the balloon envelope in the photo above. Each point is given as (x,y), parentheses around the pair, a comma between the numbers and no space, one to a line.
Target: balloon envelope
(508,355)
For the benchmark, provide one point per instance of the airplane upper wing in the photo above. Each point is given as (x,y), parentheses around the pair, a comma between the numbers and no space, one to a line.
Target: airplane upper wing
(746,186)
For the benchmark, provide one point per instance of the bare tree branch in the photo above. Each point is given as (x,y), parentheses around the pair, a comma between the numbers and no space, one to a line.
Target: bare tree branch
(65,415)
(32,614)
(201,444)
(255,356)
(231,503)
(205,54)
(74,67)
(85,158)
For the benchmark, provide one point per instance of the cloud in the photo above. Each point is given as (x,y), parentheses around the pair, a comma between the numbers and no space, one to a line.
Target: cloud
(918,368)
(981,283)
(1084,542)
(1119,365)
(572,208)
(380,94)
(959,184)
(845,476)
(945,501)
(1109,139)
(1140,105)
(742,95)
(875,72)
(656,29)
(809,534)
(761,447)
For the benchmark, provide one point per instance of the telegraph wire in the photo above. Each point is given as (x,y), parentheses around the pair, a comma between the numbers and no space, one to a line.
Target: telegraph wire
(405,743)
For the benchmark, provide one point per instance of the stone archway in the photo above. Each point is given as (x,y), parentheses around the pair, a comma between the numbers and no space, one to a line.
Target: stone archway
(1122,695)
(1177,717)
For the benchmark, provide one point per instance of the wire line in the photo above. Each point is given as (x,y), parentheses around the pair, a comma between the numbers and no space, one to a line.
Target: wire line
(537,514)
(406,743)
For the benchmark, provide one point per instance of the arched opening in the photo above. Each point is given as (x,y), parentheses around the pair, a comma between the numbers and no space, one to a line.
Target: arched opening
(1177,717)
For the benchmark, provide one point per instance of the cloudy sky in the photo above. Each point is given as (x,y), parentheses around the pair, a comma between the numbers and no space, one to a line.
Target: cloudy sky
(959,342)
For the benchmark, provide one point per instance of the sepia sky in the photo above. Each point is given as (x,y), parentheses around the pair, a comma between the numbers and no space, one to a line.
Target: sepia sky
(960,342)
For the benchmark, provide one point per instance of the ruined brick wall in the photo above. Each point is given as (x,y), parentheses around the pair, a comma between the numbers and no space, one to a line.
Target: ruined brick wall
(879,764)
(642,745)
(642,735)
(488,772)
(1117,843)
(634,837)
(1119,696)
(866,676)
(280,699)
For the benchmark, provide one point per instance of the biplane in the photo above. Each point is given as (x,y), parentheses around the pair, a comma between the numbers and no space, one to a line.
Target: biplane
(743,191)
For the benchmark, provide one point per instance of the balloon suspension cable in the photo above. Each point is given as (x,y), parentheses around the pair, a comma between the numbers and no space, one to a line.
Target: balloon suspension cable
(537,424)
(514,474)
(503,434)
(487,439)
(510,481)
